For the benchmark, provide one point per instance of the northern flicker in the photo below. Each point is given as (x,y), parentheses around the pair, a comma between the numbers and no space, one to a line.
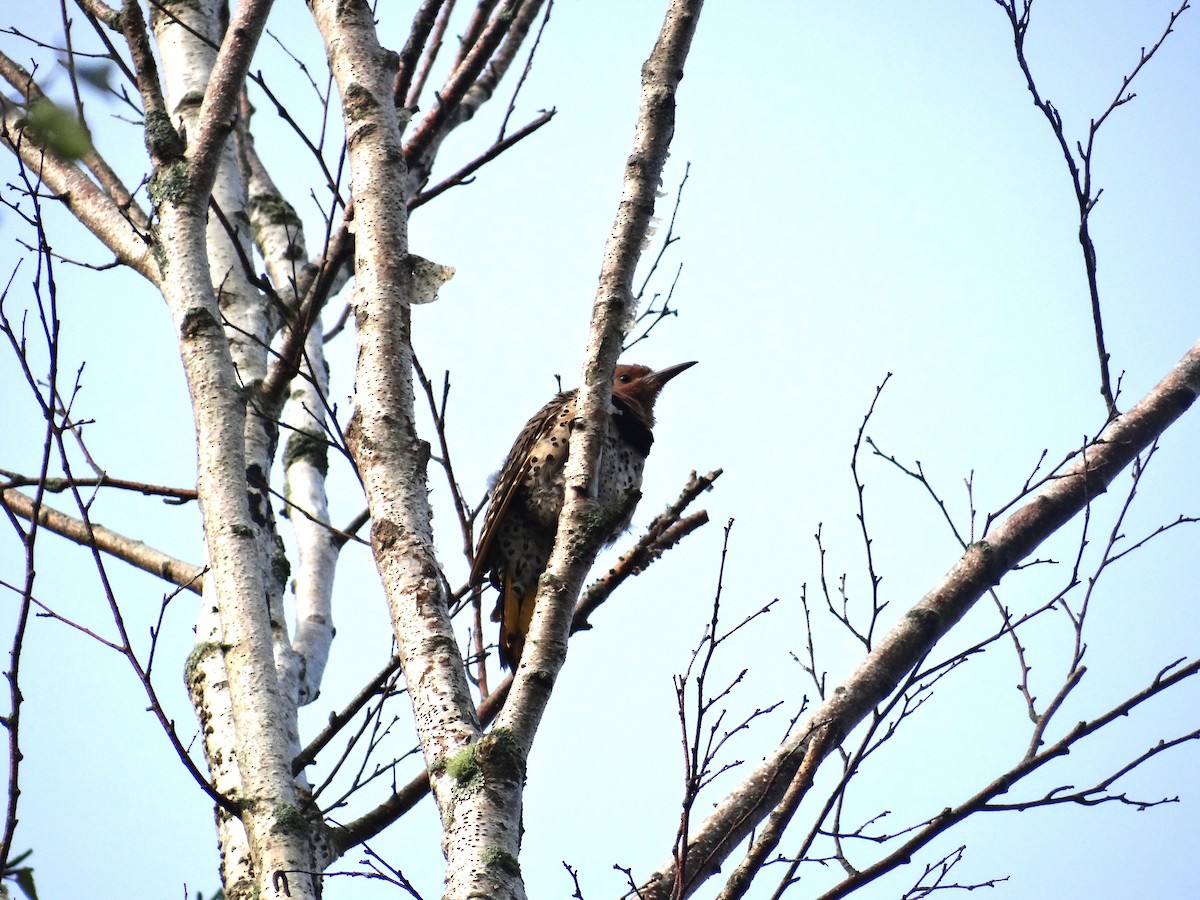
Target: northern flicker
(522,518)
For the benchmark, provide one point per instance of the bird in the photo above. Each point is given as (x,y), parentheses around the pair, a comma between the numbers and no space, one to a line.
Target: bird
(518,531)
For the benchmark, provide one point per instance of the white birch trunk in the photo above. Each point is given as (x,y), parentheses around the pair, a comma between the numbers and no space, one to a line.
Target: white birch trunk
(243,676)
(279,236)
(481,828)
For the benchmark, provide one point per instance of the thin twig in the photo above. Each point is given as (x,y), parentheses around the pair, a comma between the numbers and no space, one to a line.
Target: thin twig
(461,176)
(1081,169)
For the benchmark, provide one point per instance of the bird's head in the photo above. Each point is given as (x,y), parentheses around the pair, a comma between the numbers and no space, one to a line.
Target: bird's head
(639,386)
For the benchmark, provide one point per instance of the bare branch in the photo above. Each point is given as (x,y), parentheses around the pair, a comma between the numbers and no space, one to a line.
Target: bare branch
(512,103)
(60,485)
(97,212)
(768,838)
(981,566)
(219,109)
(433,46)
(464,75)
(667,529)
(983,800)
(461,176)
(180,573)
(471,83)
(700,755)
(423,23)
(102,12)
(1081,169)
(545,647)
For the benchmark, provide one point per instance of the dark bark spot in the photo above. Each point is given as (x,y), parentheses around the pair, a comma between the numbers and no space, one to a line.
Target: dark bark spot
(385,534)
(358,102)
(196,321)
(256,496)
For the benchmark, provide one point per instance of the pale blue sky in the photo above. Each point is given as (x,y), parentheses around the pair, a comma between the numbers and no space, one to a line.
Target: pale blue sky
(871,191)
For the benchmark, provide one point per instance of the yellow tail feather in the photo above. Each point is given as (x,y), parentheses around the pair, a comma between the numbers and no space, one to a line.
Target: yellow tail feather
(515,610)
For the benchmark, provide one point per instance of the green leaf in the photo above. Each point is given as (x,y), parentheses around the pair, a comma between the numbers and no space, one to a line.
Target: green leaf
(24,879)
(58,130)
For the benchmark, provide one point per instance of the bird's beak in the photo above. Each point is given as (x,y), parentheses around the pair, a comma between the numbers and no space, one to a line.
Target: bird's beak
(662,376)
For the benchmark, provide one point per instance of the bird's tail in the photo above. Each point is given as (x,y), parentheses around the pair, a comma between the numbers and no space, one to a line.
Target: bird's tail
(514,612)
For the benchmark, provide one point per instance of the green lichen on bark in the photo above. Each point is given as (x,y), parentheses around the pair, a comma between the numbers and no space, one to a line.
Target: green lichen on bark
(162,140)
(499,753)
(191,668)
(498,858)
(289,820)
(304,447)
(462,766)
(464,769)
(170,185)
(274,209)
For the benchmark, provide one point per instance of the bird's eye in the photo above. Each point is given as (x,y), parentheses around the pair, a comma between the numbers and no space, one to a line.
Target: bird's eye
(625,379)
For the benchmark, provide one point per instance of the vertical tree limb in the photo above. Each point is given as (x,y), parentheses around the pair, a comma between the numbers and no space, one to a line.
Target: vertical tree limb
(234,672)
(382,433)
(279,236)
(1081,169)
(575,548)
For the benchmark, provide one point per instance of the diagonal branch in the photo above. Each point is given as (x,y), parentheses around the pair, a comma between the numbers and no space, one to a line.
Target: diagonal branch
(180,573)
(460,177)
(666,530)
(982,801)
(86,201)
(574,549)
(779,819)
(980,567)
(471,84)
(460,80)
(219,109)
(418,36)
